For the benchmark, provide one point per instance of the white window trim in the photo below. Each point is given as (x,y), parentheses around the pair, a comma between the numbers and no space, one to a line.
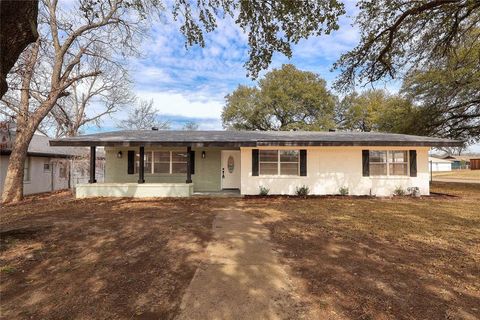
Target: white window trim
(278,175)
(388,162)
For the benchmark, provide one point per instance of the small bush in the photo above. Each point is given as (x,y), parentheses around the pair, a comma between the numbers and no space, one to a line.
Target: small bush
(343,191)
(414,191)
(399,191)
(302,191)
(264,191)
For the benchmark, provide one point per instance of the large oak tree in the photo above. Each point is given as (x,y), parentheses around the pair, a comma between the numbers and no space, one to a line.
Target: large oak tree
(285,99)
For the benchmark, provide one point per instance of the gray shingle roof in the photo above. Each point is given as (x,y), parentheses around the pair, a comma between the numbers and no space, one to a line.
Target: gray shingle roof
(250,138)
(39,146)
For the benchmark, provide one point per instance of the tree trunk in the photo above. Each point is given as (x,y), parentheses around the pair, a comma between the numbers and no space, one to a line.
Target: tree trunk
(13,187)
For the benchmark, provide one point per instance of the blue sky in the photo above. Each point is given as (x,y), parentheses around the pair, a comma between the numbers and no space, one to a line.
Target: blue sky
(191,83)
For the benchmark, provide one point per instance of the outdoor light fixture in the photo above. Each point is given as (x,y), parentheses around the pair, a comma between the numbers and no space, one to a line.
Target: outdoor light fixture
(119,155)
(203,154)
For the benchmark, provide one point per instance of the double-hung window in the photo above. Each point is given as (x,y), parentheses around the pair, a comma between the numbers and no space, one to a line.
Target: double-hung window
(388,163)
(163,162)
(279,162)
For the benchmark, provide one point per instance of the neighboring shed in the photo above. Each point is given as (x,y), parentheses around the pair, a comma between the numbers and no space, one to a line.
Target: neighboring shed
(437,164)
(475,164)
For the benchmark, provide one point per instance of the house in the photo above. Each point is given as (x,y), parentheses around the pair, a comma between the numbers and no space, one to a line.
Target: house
(178,163)
(46,168)
(437,164)
(458,162)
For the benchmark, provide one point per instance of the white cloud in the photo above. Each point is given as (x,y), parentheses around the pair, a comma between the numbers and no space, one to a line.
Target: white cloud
(173,103)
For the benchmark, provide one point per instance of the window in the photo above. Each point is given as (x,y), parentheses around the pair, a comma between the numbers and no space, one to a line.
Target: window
(289,162)
(163,162)
(46,167)
(378,163)
(279,162)
(391,163)
(179,162)
(268,162)
(26,170)
(398,165)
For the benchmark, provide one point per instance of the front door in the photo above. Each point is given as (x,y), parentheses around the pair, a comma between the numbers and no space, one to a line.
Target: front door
(230,169)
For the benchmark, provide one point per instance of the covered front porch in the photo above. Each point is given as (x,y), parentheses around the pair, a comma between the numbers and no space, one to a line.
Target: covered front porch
(162,171)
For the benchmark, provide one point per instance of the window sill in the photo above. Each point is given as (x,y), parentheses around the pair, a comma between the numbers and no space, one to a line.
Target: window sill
(279,177)
(390,177)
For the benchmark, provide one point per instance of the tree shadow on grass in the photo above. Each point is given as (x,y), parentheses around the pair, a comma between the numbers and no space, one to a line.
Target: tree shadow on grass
(103,258)
(358,267)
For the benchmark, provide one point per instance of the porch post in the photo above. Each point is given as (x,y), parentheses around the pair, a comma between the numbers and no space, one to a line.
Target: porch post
(141,167)
(93,158)
(189,165)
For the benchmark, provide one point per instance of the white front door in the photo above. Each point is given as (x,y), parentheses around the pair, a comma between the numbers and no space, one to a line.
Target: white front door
(230,169)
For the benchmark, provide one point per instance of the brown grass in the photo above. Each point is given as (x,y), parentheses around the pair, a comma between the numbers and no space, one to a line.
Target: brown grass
(459,174)
(353,258)
(372,258)
(62,258)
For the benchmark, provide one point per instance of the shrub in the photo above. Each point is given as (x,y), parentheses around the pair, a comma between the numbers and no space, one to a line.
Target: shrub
(343,191)
(399,191)
(264,191)
(414,191)
(302,191)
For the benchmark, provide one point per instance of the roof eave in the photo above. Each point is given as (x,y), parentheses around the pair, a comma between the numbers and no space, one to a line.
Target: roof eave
(352,143)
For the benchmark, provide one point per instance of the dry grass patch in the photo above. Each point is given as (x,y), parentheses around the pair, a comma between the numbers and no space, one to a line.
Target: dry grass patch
(370,258)
(459,174)
(63,258)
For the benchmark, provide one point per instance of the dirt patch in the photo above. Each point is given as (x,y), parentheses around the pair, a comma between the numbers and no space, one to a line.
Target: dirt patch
(401,258)
(63,258)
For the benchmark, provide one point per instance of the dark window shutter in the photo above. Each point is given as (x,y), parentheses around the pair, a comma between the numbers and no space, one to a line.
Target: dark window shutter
(131,162)
(192,162)
(255,159)
(366,163)
(303,163)
(413,163)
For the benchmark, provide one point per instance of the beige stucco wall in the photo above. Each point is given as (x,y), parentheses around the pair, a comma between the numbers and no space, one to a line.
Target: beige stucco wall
(40,180)
(206,177)
(330,168)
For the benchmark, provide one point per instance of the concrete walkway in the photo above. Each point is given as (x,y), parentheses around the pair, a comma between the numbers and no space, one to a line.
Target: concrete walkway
(242,278)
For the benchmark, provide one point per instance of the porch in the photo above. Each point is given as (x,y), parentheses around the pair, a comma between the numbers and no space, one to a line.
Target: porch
(163,171)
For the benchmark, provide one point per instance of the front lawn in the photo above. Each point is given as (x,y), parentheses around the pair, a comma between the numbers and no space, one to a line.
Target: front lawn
(365,258)
(63,258)
(351,258)
(459,174)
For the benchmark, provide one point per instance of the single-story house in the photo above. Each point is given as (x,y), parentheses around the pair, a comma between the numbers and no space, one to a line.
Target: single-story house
(46,168)
(438,165)
(152,163)
(458,162)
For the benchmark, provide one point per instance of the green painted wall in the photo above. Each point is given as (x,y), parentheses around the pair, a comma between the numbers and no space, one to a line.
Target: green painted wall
(207,171)
(206,177)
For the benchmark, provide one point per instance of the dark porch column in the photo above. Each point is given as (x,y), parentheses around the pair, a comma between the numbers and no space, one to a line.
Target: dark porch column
(189,165)
(93,158)
(141,166)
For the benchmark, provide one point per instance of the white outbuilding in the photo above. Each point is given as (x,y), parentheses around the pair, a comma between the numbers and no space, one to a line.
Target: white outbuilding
(437,165)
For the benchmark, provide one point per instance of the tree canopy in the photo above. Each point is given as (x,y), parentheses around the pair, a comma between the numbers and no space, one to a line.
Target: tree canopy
(285,99)
(398,34)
